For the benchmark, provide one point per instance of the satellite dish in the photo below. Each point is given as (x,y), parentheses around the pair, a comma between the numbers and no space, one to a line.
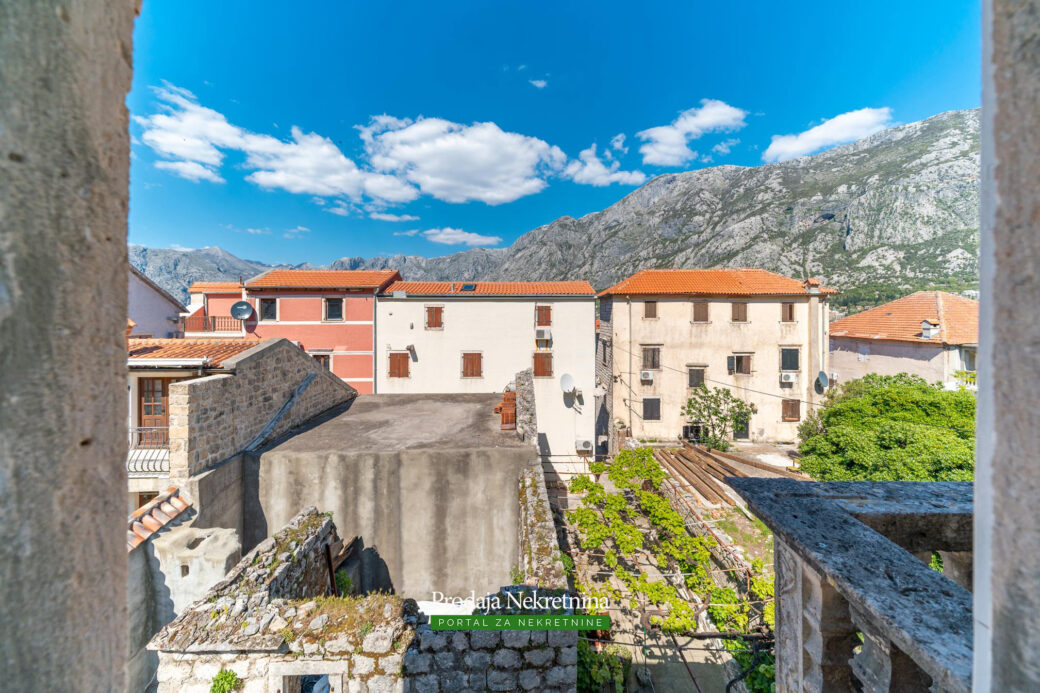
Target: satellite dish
(567,383)
(823,379)
(241,310)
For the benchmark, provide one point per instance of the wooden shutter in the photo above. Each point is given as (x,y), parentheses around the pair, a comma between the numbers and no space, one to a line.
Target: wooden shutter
(792,410)
(696,377)
(434,317)
(649,309)
(543,366)
(700,311)
(472,366)
(399,365)
(739,312)
(652,409)
(731,364)
(651,358)
(543,316)
(787,312)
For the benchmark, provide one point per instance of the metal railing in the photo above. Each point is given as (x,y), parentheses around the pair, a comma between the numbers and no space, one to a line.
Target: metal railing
(149,452)
(210,323)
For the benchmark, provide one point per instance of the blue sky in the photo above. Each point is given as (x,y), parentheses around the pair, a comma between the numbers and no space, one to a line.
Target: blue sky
(293,132)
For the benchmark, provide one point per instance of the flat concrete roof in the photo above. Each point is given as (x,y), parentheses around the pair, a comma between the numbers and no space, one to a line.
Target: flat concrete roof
(384,423)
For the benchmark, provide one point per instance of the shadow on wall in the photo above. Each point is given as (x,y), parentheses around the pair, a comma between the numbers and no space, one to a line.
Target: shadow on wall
(543,445)
(367,569)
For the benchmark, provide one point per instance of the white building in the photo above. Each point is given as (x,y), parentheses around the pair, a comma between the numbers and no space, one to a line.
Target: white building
(154,311)
(434,337)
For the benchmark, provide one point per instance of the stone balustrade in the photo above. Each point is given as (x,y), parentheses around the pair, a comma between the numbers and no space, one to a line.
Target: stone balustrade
(857,605)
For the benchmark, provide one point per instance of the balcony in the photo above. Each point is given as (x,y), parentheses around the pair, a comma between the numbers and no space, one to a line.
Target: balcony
(149,453)
(857,605)
(211,323)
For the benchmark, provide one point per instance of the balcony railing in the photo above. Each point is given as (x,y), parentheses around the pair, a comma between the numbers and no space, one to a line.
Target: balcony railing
(210,323)
(149,453)
(857,606)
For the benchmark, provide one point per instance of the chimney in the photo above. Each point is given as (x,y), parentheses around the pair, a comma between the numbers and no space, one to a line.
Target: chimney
(130,325)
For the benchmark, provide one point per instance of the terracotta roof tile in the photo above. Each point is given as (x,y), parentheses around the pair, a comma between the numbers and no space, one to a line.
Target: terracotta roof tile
(216,350)
(900,320)
(712,282)
(153,516)
(564,288)
(322,279)
(214,288)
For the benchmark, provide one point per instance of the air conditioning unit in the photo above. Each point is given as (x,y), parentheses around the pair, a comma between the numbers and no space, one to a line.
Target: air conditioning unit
(543,333)
(646,376)
(789,378)
(583,446)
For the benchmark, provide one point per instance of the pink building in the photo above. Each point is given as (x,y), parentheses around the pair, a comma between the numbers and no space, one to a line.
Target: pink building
(329,314)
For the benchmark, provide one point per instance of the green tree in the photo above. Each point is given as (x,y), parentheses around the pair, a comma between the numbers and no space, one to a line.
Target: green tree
(718,411)
(891,428)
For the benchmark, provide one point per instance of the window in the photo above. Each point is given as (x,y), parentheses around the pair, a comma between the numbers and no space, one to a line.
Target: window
(700,311)
(742,428)
(333,308)
(543,366)
(740,312)
(268,308)
(472,364)
(789,359)
(696,432)
(399,363)
(434,317)
(791,410)
(786,312)
(739,363)
(696,376)
(968,357)
(651,358)
(864,352)
(543,316)
(649,309)
(651,409)
(323,360)
(145,496)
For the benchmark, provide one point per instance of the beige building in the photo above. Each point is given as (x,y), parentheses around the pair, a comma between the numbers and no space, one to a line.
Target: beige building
(663,332)
(932,334)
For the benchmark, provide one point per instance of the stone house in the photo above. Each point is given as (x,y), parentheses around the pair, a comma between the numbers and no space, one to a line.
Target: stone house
(932,334)
(663,332)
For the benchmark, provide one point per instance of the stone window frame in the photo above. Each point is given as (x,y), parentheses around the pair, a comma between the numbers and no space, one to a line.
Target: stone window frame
(462,364)
(790,347)
(408,361)
(426,316)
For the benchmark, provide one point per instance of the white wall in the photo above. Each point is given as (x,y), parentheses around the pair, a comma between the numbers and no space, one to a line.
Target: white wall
(153,312)
(503,331)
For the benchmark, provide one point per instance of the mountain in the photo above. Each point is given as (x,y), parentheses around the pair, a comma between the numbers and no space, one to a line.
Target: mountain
(175,270)
(896,210)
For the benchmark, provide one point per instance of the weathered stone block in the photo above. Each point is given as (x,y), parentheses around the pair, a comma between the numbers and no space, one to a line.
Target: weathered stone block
(477,661)
(362,666)
(561,676)
(506,659)
(567,656)
(541,657)
(484,639)
(516,638)
(501,680)
(529,679)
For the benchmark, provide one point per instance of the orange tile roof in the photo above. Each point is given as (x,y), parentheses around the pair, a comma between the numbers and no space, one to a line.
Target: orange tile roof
(712,282)
(214,349)
(215,288)
(900,320)
(322,279)
(153,516)
(567,288)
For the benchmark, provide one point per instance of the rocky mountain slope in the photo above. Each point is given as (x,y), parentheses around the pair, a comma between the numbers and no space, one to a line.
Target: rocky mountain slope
(898,209)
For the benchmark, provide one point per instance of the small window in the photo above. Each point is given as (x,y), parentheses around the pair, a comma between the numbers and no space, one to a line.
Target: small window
(864,352)
(543,316)
(543,365)
(333,308)
(649,309)
(472,364)
(700,311)
(268,308)
(323,360)
(786,312)
(434,317)
(740,312)
(399,363)
(697,433)
(792,410)
(742,428)
(651,358)
(651,409)
(739,363)
(696,377)
(789,359)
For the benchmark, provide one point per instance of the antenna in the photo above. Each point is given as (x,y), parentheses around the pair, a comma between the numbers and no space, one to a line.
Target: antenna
(241,310)
(567,383)
(823,379)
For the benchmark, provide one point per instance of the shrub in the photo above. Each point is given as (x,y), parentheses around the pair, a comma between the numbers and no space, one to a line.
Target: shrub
(225,681)
(718,411)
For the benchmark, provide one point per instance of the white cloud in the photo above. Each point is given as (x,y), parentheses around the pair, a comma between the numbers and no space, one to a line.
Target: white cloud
(458,163)
(181,248)
(723,148)
(618,143)
(666,145)
(258,232)
(410,232)
(192,170)
(841,129)
(296,232)
(538,83)
(339,209)
(450,236)
(381,216)
(590,170)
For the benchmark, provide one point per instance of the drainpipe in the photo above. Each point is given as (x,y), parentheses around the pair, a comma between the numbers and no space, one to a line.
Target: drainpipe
(628,301)
(375,361)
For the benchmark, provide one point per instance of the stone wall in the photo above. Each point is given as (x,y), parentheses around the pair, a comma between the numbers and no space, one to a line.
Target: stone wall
(64,170)
(605,376)
(215,418)
(539,545)
(526,419)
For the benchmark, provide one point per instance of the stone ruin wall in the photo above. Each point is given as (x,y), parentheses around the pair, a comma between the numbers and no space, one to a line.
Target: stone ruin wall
(539,545)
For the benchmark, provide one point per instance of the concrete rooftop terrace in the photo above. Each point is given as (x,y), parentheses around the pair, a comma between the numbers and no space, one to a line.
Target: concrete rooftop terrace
(388,423)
